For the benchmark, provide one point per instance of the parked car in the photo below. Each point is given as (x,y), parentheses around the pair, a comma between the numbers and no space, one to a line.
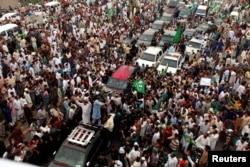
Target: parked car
(150,57)
(185,13)
(158,25)
(189,32)
(167,37)
(146,37)
(9,16)
(193,46)
(207,28)
(81,148)
(171,63)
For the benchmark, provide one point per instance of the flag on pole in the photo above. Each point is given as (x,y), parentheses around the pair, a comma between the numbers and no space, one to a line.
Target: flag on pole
(162,99)
(139,86)
(164,71)
(177,36)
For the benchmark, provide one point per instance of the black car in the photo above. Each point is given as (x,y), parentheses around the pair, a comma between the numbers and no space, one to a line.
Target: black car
(81,148)
(207,28)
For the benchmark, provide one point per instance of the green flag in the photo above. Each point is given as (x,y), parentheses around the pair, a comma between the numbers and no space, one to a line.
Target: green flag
(188,138)
(110,13)
(139,86)
(177,36)
(162,99)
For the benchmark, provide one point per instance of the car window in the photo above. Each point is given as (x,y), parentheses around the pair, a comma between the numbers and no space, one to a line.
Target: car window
(194,44)
(157,26)
(115,83)
(148,57)
(145,37)
(169,63)
(77,158)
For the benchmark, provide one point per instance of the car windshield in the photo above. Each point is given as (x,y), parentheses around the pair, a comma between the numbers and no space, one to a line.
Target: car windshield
(169,63)
(115,83)
(157,26)
(167,38)
(77,158)
(200,11)
(172,3)
(188,32)
(203,26)
(194,44)
(148,57)
(145,37)
(166,18)
(184,12)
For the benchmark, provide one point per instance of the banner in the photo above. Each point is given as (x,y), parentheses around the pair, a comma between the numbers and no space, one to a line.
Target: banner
(139,86)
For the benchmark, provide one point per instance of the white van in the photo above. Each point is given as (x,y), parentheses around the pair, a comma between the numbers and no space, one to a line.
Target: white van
(201,11)
(193,46)
(7,28)
(11,15)
(52,4)
(171,63)
(150,57)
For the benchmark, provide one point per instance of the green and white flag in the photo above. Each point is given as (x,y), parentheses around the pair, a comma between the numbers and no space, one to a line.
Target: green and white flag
(159,103)
(110,13)
(139,86)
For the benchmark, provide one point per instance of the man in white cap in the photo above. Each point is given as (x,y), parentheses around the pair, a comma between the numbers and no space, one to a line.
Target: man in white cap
(27,97)
(134,153)
(86,109)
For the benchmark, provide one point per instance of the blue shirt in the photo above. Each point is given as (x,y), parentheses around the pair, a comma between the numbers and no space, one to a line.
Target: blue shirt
(97,109)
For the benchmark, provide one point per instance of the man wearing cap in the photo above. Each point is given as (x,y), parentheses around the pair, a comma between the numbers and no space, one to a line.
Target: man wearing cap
(86,109)
(134,153)
(172,160)
(27,97)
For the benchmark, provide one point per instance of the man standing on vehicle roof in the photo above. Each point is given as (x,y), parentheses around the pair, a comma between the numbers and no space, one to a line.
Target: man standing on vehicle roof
(96,115)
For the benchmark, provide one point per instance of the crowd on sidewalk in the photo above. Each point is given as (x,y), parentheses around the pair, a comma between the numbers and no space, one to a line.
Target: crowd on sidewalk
(59,69)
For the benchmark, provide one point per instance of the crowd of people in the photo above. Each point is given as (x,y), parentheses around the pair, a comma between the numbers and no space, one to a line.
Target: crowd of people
(53,74)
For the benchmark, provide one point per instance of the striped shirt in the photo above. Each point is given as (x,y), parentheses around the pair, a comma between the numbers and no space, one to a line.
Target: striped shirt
(174,144)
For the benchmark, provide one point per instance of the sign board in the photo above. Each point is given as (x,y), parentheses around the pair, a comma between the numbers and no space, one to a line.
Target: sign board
(205,82)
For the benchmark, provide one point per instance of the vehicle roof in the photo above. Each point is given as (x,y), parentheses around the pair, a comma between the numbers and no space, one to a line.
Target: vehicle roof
(52,3)
(158,22)
(7,27)
(153,50)
(9,14)
(77,142)
(123,72)
(173,56)
(167,14)
(190,29)
(169,32)
(202,7)
(150,31)
(195,40)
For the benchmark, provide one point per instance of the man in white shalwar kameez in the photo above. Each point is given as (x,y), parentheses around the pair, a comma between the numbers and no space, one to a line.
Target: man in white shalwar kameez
(17,107)
(214,137)
(86,110)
